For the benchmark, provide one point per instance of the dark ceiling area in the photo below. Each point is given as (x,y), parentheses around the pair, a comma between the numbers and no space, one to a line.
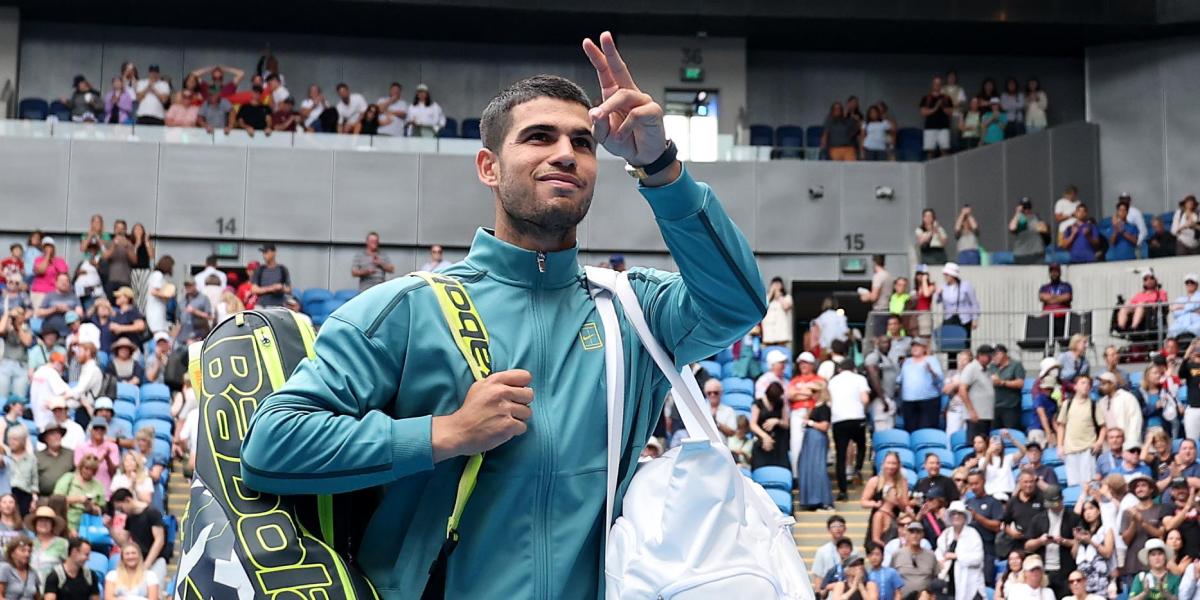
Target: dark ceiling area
(1020,27)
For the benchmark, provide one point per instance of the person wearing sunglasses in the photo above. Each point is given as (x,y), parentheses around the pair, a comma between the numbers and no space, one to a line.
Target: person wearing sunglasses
(1078,585)
(723,414)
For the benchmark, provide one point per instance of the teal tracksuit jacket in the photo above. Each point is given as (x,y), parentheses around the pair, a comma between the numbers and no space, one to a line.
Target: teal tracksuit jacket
(359,414)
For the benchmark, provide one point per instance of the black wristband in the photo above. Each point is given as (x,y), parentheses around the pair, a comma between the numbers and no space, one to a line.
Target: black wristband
(663,161)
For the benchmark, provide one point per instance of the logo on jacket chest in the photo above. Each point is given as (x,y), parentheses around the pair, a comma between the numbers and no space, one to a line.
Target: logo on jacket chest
(589,336)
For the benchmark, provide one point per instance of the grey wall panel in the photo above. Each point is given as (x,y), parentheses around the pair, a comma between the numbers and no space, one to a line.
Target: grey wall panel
(620,217)
(452,203)
(373,71)
(788,220)
(52,55)
(735,186)
(1026,174)
(375,191)
(115,180)
(1125,96)
(799,267)
(157,48)
(34,172)
(289,194)
(940,195)
(1182,161)
(980,183)
(1074,156)
(881,222)
(197,186)
(663,262)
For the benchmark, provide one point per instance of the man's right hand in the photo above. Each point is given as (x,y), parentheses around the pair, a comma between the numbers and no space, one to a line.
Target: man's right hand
(494,412)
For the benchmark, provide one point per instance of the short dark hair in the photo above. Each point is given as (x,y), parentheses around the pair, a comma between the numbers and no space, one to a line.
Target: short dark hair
(879,259)
(834,519)
(210,260)
(342,85)
(77,543)
(273,77)
(844,542)
(121,495)
(495,120)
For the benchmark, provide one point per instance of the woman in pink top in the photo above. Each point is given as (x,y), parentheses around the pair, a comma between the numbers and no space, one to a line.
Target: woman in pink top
(1152,294)
(45,270)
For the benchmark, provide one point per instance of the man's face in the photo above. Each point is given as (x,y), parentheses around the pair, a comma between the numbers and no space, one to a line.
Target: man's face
(884,344)
(936,86)
(893,327)
(1157,224)
(1116,439)
(713,393)
(435,253)
(844,550)
(54,438)
(98,434)
(1171,346)
(121,227)
(394,91)
(875,557)
(82,553)
(918,350)
(1001,358)
(218,75)
(1027,482)
(1081,212)
(1142,489)
(984,358)
(914,538)
(1132,457)
(372,242)
(1055,275)
(976,484)
(545,171)
(1149,282)
(344,93)
(1035,455)
(837,529)
(933,465)
(1187,452)
(268,255)
(62,283)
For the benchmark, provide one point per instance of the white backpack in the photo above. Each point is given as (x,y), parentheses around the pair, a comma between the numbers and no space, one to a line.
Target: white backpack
(691,525)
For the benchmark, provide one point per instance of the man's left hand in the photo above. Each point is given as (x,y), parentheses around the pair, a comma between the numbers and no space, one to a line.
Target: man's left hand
(629,123)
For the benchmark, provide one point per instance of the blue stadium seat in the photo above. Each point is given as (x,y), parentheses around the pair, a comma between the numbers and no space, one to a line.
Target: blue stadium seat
(959,440)
(314,295)
(890,438)
(470,129)
(98,563)
(950,338)
(737,400)
(34,109)
(911,476)
(125,409)
(162,429)
(790,140)
(154,410)
(60,110)
(782,499)
(909,142)
(1061,473)
(1027,387)
(1175,444)
(944,455)
(724,357)
(1135,379)
(812,136)
(779,478)
(929,438)
(1002,258)
(742,385)
(102,359)
(32,426)
(1071,495)
(907,459)
(450,130)
(345,295)
(712,367)
(727,369)
(1050,457)
(162,450)
(1168,218)
(128,392)
(762,135)
(155,392)
(1057,255)
(961,454)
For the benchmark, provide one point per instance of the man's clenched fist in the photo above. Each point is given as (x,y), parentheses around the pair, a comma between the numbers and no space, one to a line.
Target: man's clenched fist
(494,412)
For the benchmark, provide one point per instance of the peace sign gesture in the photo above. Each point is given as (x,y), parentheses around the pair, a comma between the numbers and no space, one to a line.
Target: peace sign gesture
(629,123)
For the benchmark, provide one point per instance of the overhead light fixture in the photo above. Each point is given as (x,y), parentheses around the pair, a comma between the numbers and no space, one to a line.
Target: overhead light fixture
(816,193)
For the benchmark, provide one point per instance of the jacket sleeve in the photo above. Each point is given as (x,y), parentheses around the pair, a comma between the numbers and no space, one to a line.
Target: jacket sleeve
(325,430)
(970,549)
(718,294)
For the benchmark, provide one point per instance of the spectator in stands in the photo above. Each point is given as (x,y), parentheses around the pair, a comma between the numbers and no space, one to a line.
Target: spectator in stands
(1135,217)
(49,546)
(210,268)
(1021,509)
(776,364)
(372,265)
(986,512)
(145,529)
(134,477)
(770,420)
(1113,454)
(425,117)
(1095,552)
(73,580)
(993,123)
(849,395)
(1185,311)
(978,393)
(931,239)
(14,362)
(1161,243)
(53,460)
(119,430)
(1064,208)
(127,322)
(1008,377)
(46,269)
(18,580)
(159,290)
(777,323)
(960,306)
(936,108)
(104,450)
(877,297)
(1036,104)
(966,232)
(214,114)
(1073,361)
(969,127)
(156,363)
(1029,245)
(845,550)
(723,415)
(197,313)
(878,136)
(882,370)
(1156,581)
(956,411)
(436,260)
(143,247)
(854,110)
(840,135)
(183,112)
(152,95)
(960,553)
(920,388)
(133,578)
(350,108)
(24,467)
(216,84)
(1057,295)
(924,290)
(73,435)
(119,103)
(1131,461)
(84,102)
(1161,409)
(830,326)
(886,579)
(1033,584)
(934,480)
(120,255)
(122,366)
(271,280)
(144,443)
(825,557)
(56,304)
(1141,526)
(1081,238)
(83,491)
(395,107)
(254,115)
(1185,226)
(1184,465)
(856,585)
(1033,462)
(313,111)
(1132,315)
(997,466)
(917,566)
(838,351)
(1012,101)
(274,87)
(1083,431)
(812,475)
(1122,243)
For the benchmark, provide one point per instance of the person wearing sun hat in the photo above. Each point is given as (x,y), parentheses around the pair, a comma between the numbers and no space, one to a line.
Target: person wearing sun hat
(960,553)
(776,364)
(49,545)
(1156,581)
(1033,585)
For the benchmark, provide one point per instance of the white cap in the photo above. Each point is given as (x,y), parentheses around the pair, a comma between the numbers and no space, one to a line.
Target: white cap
(950,269)
(422,88)
(1192,278)
(160,336)
(48,240)
(1046,365)
(807,357)
(775,356)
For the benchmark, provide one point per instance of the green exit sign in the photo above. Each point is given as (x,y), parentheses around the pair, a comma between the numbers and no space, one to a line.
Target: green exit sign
(225,250)
(854,264)
(691,74)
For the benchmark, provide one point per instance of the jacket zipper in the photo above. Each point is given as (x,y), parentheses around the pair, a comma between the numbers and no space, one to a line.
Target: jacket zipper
(546,467)
(541,259)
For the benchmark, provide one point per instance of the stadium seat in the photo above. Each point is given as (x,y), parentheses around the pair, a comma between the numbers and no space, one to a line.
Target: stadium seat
(98,563)
(944,455)
(724,357)
(961,454)
(907,459)
(1175,444)
(154,410)
(1061,473)
(727,370)
(102,359)
(959,440)
(1050,457)
(129,392)
(779,478)
(1135,379)
(741,385)
(890,438)
(450,130)
(314,295)
(782,499)
(470,129)
(1055,255)
(162,429)
(790,141)
(812,141)
(1002,258)
(950,338)
(738,400)
(34,109)
(929,438)
(1071,495)
(911,477)
(155,392)
(762,135)
(124,408)
(60,110)
(909,144)
(162,450)
(345,295)
(712,367)
(32,426)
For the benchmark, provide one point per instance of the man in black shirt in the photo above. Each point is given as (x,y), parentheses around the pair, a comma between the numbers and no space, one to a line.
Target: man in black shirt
(1189,511)
(255,114)
(936,108)
(143,526)
(1052,536)
(1021,510)
(73,580)
(271,281)
(934,478)
(1189,372)
(986,512)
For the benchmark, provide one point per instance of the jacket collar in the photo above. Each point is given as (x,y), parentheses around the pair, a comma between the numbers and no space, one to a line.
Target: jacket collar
(520,267)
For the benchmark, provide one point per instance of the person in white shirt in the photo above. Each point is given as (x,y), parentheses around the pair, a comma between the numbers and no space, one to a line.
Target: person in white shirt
(45,386)
(1064,209)
(825,558)
(829,326)
(152,94)
(723,415)
(849,395)
(998,467)
(1134,216)
(435,259)
(396,107)
(74,435)
(1078,586)
(960,553)
(425,117)
(777,324)
(279,93)
(350,108)
(776,363)
(1034,585)
(1121,408)
(312,107)
(210,268)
